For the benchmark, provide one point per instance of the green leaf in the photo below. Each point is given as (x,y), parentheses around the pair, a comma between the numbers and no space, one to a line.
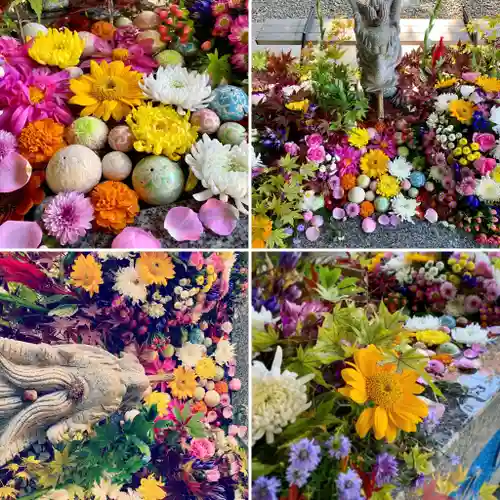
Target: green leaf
(163,424)
(260,469)
(142,447)
(196,428)
(261,341)
(37,6)
(419,461)
(277,238)
(384,493)
(22,291)
(64,311)
(186,411)
(219,68)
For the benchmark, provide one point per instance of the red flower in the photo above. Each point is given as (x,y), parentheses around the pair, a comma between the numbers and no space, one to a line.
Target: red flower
(438,52)
(294,494)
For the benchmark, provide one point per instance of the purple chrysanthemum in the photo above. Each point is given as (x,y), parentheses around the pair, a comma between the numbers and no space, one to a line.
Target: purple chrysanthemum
(265,488)
(68,216)
(386,469)
(298,477)
(8,143)
(339,447)
(305,455)
(349,485)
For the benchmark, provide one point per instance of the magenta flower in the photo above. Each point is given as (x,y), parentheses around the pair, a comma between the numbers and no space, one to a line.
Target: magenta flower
(385,142)
(316,154)
(486,141)
(292,148)
(126,36)
(348,162)
(158,367)
(448,290)
(8,144)
(485,165)
(29,95)
(68,216)
(472,304)
(314,140)
(467,187)
(240,60)
(14,53)
(352,210)
(239,34)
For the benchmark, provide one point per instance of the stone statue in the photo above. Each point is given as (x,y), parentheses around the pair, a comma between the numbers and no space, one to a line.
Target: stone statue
(49,390)
(376,26)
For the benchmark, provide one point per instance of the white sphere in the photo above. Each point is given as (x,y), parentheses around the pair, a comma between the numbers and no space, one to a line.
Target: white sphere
(356,194)
(89,39)
(369,196)
(74,168)
(199,393)
(363,181)
(219,373)
(88,131)
(123,21)
(116,166)
(74,71)
(212,398)
(32,29)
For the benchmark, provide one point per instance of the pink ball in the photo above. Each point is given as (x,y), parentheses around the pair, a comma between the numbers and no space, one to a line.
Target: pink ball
(207,120)
(121,139)
(235,384)
(368,225)
(373,185)
(406,184)
(134,237)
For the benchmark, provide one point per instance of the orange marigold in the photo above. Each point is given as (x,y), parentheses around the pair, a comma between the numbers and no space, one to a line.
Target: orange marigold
(348,181)
(115,205)
(221,387)
(198,407)
(366,209)
(40,140)
(103,30)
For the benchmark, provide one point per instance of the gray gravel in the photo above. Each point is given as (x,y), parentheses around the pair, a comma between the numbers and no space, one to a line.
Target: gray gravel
(278,9)
(422,234)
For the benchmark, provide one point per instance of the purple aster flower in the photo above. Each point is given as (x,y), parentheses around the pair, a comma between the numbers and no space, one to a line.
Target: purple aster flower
(68,216)
(297,476)
(126,36)
(305,454)
(432,420)
(419,481)
(455,460)
(352,210)
(349,485)
(8,144)
(266,488)
(301,228)
(339,447)
(386,469)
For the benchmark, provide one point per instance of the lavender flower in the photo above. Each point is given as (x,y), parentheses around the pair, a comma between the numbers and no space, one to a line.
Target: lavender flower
(339,447)
(386,469)
(419,481)
(68,216)
(349,485)
(431,421)
(298,477)
(266,488)
(455,460)
(8,143)
(305,455)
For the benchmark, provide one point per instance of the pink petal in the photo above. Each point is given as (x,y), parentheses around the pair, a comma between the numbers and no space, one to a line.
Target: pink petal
(338,213)
(312,233)
(135,237)
(20,234)
(368,225)
(219,217)
(431,215)
(183,224)
(15,172)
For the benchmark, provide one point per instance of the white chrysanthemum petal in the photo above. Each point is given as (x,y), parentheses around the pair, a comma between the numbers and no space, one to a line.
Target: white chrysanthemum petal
(129,284)
(420,323)
(400,167)
(496,150)
(466,90)
(443,101)
(404,208)
(433,120)
(190,354)
(178,86)
(471,334)
(488,190)
(224,353)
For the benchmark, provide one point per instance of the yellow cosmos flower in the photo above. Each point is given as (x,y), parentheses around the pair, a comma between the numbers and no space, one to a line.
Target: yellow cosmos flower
(110,90)
(432,337)
(447,82)
(160,399)
(488,84)
(359,137)
(388,186)
(57,48)
(393,395)
(374,163)
(462,110)
(151,488)
(298,105)
(205,368)
(87,274)
(184,383)
(155,268)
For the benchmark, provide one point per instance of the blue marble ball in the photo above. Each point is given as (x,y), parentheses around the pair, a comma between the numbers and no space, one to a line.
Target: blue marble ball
(417,179)
(196,336)
(230,103)
(448,321)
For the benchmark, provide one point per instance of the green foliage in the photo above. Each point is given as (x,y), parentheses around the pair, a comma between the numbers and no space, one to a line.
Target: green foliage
(37,6)
(264,340)
(418,460)
(259,60)
(338,93)
(20,295)
(332,287)
(219,68)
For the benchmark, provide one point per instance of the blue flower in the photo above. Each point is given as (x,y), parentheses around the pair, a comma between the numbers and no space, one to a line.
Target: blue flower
(265,488)
(386,469)
(339,447)
(349,485)
(305,455)
(298,477)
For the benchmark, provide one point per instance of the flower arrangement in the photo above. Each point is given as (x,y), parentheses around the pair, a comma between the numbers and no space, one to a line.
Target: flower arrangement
(175,313)
(88,101)
(326,157)
(346,393)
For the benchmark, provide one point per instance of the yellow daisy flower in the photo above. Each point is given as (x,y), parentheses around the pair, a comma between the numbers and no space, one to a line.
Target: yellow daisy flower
(446,83)
(262,227)
(87,274)
(155,268)
(462,110)
(160,399)
(392,395)
(388,186)
(488,84)
(184,383)
(298,105)
(359,137)
(151,488)
(110,90)
(61,48)
(374,163)
(205,368)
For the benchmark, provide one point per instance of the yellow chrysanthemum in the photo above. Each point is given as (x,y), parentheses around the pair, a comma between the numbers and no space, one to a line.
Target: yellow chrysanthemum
(488,84)
(87,274)
(151,488)
(161,130)
(184,383)
(419,257)
(298,105)
(359,137)
(432,337)
(447,82)
(205,368)
(462,110)
(160,399)
(155,268)
(388,186)
(110,90)
(392,395)
(374,163)
(57,48)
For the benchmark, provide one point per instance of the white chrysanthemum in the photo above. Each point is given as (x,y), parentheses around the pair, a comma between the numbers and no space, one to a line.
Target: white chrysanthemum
(419,323)
(466,90)
(154,310)
(404,208)
(433,120)
(495,118)
(471,334)
(175,85)
(222,170)
(443,101)
(277,398)
(224,353)
(488,190)
(400,167)
(496,150)
(129,284)
(260,319)
(190,354)
(437,172)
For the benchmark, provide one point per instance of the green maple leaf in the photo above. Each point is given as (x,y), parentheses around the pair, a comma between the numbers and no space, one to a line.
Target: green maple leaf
(277,238)
(219,68)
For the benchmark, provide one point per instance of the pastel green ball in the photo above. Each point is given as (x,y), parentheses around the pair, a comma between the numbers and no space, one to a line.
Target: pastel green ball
(231,133)
(381,204)
(169,58)
(158,180)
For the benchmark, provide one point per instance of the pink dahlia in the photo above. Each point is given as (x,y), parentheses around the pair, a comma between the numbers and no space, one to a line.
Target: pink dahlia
(30,95)
(348,159)
(8,144)
(15,54)
(239,33)
(68,216)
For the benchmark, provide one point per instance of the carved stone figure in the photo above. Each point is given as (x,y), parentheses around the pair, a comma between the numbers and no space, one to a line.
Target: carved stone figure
(47,391)
(376,26)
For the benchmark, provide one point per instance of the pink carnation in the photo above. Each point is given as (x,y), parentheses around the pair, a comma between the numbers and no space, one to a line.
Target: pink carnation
(314,140)
(485,165)
(485,141)
(316,154)
(202,448)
